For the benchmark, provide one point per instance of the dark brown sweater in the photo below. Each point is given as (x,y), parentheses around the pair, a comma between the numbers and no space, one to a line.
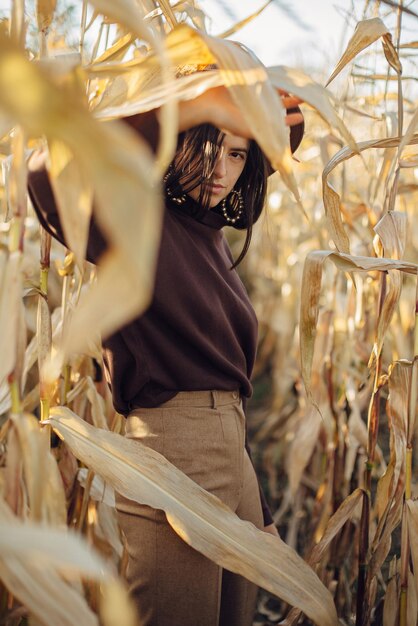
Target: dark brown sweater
(200,331)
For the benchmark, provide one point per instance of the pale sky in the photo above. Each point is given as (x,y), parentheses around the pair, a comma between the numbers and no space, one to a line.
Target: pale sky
(308,33)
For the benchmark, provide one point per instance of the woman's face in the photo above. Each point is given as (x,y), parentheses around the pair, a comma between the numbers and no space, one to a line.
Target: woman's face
(229,166)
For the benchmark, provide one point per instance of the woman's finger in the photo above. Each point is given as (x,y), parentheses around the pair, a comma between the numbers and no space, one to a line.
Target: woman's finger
(285,94)
(293,119)
(291,101)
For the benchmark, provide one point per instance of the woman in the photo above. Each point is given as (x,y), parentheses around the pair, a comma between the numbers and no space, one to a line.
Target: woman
(180,372)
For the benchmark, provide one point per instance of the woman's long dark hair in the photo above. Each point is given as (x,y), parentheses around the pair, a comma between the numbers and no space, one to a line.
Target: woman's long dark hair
(194,163)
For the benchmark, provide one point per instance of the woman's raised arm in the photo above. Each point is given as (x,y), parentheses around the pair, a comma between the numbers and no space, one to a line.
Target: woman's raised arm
(215,106)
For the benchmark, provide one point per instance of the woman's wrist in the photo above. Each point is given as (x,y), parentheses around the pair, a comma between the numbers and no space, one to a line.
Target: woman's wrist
(193,113)
(272,530)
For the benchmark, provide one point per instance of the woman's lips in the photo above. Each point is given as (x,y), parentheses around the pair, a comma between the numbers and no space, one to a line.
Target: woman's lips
(216,188)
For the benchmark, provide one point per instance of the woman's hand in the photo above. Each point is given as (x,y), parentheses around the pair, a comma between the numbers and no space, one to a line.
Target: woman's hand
(37,160)
(215,106)
(272,530)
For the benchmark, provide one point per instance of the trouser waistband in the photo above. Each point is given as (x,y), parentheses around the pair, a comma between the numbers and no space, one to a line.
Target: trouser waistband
(205,398)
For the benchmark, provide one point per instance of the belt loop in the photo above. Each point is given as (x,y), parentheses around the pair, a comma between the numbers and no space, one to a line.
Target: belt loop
(214,399)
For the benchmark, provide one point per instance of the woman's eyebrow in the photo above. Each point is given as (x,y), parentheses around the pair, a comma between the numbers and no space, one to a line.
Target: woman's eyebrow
(245,150)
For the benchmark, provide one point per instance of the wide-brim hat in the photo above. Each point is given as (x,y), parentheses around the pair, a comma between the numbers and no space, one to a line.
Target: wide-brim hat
(296,132)
(296,136)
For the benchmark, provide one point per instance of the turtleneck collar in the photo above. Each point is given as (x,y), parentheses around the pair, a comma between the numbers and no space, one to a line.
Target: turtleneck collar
(209,217)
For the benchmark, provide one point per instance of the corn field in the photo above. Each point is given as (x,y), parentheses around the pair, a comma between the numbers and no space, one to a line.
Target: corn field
(332,274)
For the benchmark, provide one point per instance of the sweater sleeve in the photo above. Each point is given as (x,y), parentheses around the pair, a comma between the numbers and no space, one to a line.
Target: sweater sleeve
(43,200)
(267,516)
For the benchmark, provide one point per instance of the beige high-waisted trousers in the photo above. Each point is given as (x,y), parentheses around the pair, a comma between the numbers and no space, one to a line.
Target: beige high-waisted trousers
(203,434)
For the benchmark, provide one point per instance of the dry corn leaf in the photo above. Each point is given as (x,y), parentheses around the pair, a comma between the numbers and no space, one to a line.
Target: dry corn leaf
(49,109)
(366,33)
(382,540)
(46,595)
(409,133)
(412,604)
(311,289)
(10,296)
(31,351)
(60,65)
(302,447)
(397,409)
(384,488)
(333,213)
(31,557)
(391,602)
(331,197)
(200,518)
(412,517)
(99,490)
(385,168)
(244,76)
(344,513)
(117,164)
(117,51)
(136,75)
(168,12)
(128,95)
(262,109)
(45,545)
(390,304)
(126,165)
(357,432)
(196,16)
(413,396)
(73,195)
(68,468)
(383,77)
(298,83)
(398,414)
(236,27)
(357,427)
(391,53)
(128,13)
(115,277)
(117,608)
(42,478)
(391,230)
(408,160)
(131,15)
(45,12)
(17,181)
(107,527)
(97,405)
(38,586)
(410,44)
(120,169)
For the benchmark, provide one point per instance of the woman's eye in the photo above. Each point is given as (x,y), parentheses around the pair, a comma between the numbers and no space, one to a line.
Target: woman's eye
(237,155)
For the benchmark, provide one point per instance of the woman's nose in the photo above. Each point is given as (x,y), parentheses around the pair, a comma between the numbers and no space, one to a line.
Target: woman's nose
(220,167)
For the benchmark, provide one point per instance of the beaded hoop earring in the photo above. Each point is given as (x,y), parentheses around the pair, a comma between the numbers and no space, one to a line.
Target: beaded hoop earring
(177,199)
(233,206)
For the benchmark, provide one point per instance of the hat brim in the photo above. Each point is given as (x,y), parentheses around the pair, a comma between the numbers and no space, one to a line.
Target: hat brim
(296,136)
